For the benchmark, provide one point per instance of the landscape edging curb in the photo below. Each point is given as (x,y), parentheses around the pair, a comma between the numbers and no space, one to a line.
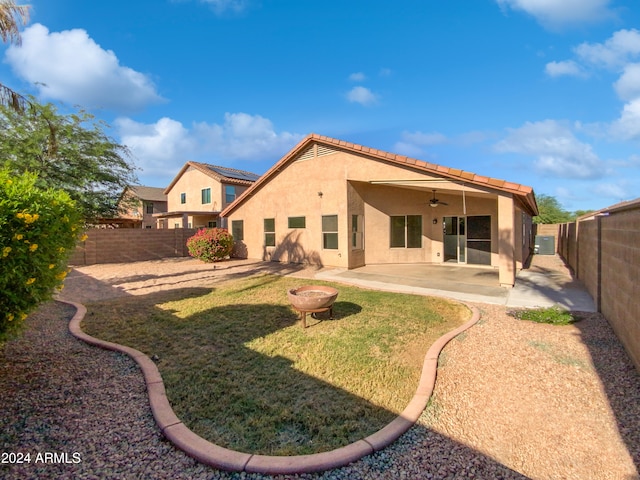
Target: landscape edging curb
(219,457)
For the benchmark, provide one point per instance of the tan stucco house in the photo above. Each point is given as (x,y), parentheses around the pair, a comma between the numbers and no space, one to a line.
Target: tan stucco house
(198,193)
(136,207)
(335,203)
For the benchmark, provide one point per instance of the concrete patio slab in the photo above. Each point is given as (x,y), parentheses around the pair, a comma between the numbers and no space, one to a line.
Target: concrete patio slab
(534,287)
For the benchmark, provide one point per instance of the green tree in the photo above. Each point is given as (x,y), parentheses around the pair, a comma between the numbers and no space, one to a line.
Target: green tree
(579,213)
(551,211)
(70,152)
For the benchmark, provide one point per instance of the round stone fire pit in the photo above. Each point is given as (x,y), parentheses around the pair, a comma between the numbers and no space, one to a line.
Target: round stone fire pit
(312,299)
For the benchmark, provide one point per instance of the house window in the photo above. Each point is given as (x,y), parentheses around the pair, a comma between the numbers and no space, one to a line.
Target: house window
(229,193)
(330,232)
(206,195)
(183,198)
(269,232)
(212,224)
(150,207)
(406,231)
(237,230)
(297,222)
(177,225)
(357,242)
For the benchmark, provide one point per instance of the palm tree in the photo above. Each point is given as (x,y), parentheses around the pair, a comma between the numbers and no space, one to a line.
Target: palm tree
(11,17)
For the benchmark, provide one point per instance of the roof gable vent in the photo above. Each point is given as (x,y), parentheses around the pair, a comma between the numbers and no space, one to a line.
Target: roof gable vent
(324,150)
(307,154)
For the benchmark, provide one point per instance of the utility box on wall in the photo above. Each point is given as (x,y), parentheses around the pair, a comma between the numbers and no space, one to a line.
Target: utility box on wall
(545,245)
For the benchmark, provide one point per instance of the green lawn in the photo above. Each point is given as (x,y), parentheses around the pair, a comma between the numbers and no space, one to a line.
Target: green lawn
(240,370)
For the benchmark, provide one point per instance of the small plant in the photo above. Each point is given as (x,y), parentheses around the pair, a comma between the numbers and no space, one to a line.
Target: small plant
(39,228)
(210,244)
(553,315)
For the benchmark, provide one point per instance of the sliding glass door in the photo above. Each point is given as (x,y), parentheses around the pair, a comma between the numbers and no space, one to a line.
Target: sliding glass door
(455,239)
(467,239)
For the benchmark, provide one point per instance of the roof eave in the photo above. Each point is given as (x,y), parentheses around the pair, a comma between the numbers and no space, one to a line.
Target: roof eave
(523,192)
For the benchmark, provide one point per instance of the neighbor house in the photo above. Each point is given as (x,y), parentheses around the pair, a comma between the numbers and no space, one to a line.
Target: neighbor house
(136,206)
(198,193)
(334,203)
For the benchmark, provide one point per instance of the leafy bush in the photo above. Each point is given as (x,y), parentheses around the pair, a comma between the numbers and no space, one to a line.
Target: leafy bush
(553,315)
(210,244)
(38,230)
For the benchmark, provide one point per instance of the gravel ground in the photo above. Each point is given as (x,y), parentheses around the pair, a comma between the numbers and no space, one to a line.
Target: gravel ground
(513,400)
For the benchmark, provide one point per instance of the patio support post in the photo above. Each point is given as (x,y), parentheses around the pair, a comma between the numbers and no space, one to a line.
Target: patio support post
(506,241)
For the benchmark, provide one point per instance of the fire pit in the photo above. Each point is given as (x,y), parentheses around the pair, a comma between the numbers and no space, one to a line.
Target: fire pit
(312,299)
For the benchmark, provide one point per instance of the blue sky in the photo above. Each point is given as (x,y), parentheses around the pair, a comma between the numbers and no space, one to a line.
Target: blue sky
(540,92)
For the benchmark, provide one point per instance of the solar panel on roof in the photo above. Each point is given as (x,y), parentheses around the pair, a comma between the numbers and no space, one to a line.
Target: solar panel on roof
(252,177)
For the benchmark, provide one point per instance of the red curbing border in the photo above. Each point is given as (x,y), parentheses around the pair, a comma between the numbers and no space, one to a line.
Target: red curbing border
(225,459)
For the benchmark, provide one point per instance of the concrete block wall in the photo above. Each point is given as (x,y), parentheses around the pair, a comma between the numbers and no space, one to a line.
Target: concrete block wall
(620,277)
(604,253)
(587,268)
(568,244)
(131,245)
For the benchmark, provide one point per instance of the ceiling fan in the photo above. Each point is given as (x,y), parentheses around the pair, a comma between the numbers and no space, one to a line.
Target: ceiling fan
(434,202)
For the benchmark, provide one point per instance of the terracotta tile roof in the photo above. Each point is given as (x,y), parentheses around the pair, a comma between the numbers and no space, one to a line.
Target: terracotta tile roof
(440,169)
(228,175)
(524,194)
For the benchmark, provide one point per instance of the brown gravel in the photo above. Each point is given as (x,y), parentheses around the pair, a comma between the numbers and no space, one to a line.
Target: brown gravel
(513,399)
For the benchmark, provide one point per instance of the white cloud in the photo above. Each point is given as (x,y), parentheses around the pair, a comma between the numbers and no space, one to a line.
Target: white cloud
(362,95)
(408,149)
(412,143)
(161,148)
(357,77)
(69,66)
(564,68)
(557,151)
(616,191)
(628,85)
(156,147)
(244,136)
(420,138)
(614,53)
(627,127)
(415,144)
(557,13)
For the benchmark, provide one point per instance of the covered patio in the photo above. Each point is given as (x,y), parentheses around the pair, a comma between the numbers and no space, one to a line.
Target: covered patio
(544,283)
(473,282)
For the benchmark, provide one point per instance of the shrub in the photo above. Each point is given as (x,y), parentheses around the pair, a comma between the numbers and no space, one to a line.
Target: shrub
(38,231)
(210,244)
(552,315)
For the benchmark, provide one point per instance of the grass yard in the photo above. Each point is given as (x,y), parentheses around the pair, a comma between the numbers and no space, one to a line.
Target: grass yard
(240,370)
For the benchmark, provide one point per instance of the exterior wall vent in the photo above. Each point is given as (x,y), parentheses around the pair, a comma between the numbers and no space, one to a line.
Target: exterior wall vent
(324,150)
